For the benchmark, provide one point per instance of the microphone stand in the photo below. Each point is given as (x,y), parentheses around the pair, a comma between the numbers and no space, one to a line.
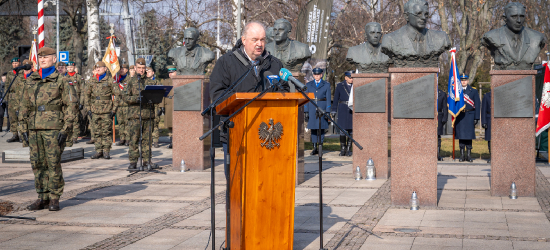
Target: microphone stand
(320,113)
(6,93)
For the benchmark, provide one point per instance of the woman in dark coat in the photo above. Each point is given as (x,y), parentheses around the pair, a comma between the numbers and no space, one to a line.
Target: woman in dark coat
(345,115)
(486,120)
(321,89)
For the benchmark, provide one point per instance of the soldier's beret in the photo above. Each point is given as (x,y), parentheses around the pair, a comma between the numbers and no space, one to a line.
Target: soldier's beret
(131,66)
(46,51)
(27,61)
(464,77)
(348,73)
(99,64)
(61,64)
(140,61)
(15,59)
(171,68)
(71,63)
(317,71)
(149,69)
(125,65)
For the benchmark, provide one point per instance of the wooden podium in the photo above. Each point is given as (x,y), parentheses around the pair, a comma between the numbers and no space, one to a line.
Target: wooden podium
(262,180)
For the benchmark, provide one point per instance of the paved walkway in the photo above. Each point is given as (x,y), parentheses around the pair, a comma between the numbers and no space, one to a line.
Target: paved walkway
(105,207)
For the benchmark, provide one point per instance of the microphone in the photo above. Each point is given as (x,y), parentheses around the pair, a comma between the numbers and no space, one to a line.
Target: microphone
(287,76)
(24,67)
(272,78)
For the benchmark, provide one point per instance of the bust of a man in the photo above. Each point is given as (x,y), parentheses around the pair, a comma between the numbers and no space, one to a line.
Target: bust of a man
(514,46)
(367,56)
(413,45)
(192,58)
(269,35)
(292,53)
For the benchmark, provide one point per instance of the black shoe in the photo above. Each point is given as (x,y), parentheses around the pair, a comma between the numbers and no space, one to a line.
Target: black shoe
(121,143)
(439,158)
(127,143)
(342,145)
(106,155)
(133,166)
(90,142)
(462,156)
(39,204)
(348,149)
(469,155)
(15,138)
(489,161)
(54,205)
(315,149)
(170,146)
(156,145)
(97,155)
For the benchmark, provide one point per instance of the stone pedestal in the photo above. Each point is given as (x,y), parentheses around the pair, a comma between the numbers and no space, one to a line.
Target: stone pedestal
(190,98)
(513,131)
(370,122)
(414,135)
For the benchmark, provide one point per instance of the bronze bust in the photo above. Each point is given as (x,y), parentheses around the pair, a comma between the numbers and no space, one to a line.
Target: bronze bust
(367,57)
(292,53)
(192,58)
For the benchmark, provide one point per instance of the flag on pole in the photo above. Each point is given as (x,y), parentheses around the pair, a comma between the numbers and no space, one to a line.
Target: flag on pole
(111,59)
(33,56)
(455,98)
(543,121)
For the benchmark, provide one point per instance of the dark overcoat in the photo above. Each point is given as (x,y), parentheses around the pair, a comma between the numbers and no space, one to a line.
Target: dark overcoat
(464,124)
(322,95)
(486,115)
(442,111)
(340,105)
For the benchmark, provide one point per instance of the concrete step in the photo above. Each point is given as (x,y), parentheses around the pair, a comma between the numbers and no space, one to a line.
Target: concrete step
(22,155)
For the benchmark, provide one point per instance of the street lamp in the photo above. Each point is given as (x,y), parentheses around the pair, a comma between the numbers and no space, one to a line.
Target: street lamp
(56,4)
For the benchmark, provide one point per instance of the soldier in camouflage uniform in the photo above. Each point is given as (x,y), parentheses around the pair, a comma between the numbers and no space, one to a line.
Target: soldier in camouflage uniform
(78,83)
(102,108)
(131,96)
(13,100)
(122,113)
(132,71)
(89,114)
(20,85)
(48,109)
(153,81)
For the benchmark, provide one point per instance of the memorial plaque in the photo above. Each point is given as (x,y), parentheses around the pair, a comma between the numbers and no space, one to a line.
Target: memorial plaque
(515,99)
(188,97)
(370,98)
(415,99)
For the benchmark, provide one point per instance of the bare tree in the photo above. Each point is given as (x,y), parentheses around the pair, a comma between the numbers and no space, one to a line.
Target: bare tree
(94,43)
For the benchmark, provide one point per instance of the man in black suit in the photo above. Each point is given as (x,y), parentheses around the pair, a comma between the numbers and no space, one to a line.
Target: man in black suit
(486,120)
(466,121)
(442,114)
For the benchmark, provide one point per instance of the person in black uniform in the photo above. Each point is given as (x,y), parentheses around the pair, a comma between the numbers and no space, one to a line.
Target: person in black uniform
(442,114)
(345,115)
(321,89)
(465,121)
(486,120)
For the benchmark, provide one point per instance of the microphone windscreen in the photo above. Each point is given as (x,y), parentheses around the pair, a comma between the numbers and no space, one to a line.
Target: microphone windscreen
(285,74)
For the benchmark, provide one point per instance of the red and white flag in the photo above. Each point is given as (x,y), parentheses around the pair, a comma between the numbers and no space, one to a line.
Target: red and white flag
(543,121)
(33,56)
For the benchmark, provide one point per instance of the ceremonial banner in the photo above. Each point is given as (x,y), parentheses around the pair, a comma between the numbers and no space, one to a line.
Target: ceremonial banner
(455,97)
(543,121)
(111,59)
(33,56)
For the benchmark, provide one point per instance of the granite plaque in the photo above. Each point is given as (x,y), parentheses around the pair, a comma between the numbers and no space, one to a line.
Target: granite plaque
(188,97)
(515,99)
(370,98)
(415,99)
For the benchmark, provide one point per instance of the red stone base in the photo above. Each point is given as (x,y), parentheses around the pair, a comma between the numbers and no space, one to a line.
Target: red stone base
(371,131)
(413,148)
(512,143)
(188,126)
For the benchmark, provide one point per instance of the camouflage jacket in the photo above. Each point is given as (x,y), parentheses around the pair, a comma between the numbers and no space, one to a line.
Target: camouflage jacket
(48,103)
(11,97)
(78,84)
(131,97)
(99,95)
(121,88)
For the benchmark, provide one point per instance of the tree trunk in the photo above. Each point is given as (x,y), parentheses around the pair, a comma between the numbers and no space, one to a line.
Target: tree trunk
(94,45)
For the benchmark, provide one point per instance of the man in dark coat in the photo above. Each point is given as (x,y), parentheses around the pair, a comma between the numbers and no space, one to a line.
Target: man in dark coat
(442,113)
(465,121)
(321,89)
(345,115)
(486,120)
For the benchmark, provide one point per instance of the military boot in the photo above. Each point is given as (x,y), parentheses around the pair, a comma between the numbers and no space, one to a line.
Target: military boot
(14,138)
(315,149)
(97,155)
(75,140)
(156,144)
(439,158)
(39,204)
(54,205)
(342,146)
(462,156)
(469,155)
(90,142)
(106,155)
(489,146)
(127,143)
(121,143)
(348,149)
(170,146)
(133,165)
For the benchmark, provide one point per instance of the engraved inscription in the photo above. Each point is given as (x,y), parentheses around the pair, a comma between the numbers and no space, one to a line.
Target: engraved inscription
(515,99)
(188,97)
(415,99)
(370,98)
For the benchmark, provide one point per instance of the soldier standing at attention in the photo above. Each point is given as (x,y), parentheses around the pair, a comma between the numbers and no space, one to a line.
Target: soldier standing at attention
(486,120)
(345,115)
(13,101)
(19,85)
(103,109)
(132,71)
(48,109)
(87,109)
(132,97)
(61,68)
(466,121)
(78,83)
(167,104)
(151,80)
(3,104)
(321,89)
(122,113)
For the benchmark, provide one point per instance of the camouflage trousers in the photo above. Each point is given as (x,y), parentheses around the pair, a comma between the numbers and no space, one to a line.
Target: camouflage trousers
(13,118)
(45,157)
(156,132)
(122,119)
(133,131)
(103,132)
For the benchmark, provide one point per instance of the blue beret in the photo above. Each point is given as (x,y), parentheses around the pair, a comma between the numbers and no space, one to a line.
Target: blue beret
(464,77)
(317,71)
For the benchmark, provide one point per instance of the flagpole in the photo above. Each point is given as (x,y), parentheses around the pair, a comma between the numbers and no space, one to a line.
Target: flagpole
(547,141)
(453,143)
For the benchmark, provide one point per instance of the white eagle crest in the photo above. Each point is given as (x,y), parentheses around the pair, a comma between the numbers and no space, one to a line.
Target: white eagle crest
(270,135)
(545,102)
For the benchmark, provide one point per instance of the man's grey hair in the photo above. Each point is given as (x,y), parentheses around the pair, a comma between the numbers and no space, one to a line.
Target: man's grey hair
(248,25)
(409,5)
(195,31)
(373,24)
(511,5)
(285,22)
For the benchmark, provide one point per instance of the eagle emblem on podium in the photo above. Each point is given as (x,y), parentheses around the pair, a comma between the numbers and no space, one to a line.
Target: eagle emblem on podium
(270,134)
